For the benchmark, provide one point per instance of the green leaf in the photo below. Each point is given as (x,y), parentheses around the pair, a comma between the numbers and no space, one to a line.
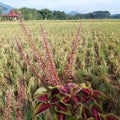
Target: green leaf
(83,85)
(40,91)
(91,118)
(102,116)
(71,117)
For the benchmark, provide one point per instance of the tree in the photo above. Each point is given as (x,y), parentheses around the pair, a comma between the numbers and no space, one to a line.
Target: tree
(100,14)
(46,14)
(30,14)
(59,15)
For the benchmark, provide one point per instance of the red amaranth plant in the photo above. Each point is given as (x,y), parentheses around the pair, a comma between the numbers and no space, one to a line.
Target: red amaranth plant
(65,97)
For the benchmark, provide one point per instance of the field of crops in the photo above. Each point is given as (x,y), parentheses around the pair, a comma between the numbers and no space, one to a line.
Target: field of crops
(97,62)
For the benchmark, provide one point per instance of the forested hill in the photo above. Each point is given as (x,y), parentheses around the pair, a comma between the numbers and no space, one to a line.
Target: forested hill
(46,14)
(61,15)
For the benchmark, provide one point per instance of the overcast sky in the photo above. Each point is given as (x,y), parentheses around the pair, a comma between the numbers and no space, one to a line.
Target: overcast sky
(82,6)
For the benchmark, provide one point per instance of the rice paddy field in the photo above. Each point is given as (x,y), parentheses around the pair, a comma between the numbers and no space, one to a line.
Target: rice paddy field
(96,63)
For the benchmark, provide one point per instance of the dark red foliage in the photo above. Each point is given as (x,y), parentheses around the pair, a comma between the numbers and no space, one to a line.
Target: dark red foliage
(112,117)
(54,100)
(41,108)
(66,100)
(95,113)
(42,98)
(86,91)
(76,99)
(61,116)
(61,107)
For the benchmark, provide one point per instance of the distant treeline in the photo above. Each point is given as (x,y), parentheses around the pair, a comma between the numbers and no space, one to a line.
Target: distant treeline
(46,14)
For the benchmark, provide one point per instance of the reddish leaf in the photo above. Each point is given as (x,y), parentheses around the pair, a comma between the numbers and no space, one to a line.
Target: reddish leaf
(76,99)
(61,107)
(85,112)
(42,98)
(66,100)
(61,116)
(85,94)
(54,100)
(95,113)
(112,117)
(41,108)
(86,90)
(55,91)
(85,98)
(108,116)
(95,109)
(97,95)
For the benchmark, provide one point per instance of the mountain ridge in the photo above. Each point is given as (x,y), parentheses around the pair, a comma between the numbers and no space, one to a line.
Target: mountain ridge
(5,8)
(73,12)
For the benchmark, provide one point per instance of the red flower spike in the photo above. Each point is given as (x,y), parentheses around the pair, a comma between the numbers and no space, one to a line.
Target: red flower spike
(41,108)
(64,89)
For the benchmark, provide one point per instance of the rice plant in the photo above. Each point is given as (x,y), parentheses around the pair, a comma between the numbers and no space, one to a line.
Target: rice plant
(96,64)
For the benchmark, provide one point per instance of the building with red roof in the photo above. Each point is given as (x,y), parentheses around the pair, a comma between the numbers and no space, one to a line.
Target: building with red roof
(11,16)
